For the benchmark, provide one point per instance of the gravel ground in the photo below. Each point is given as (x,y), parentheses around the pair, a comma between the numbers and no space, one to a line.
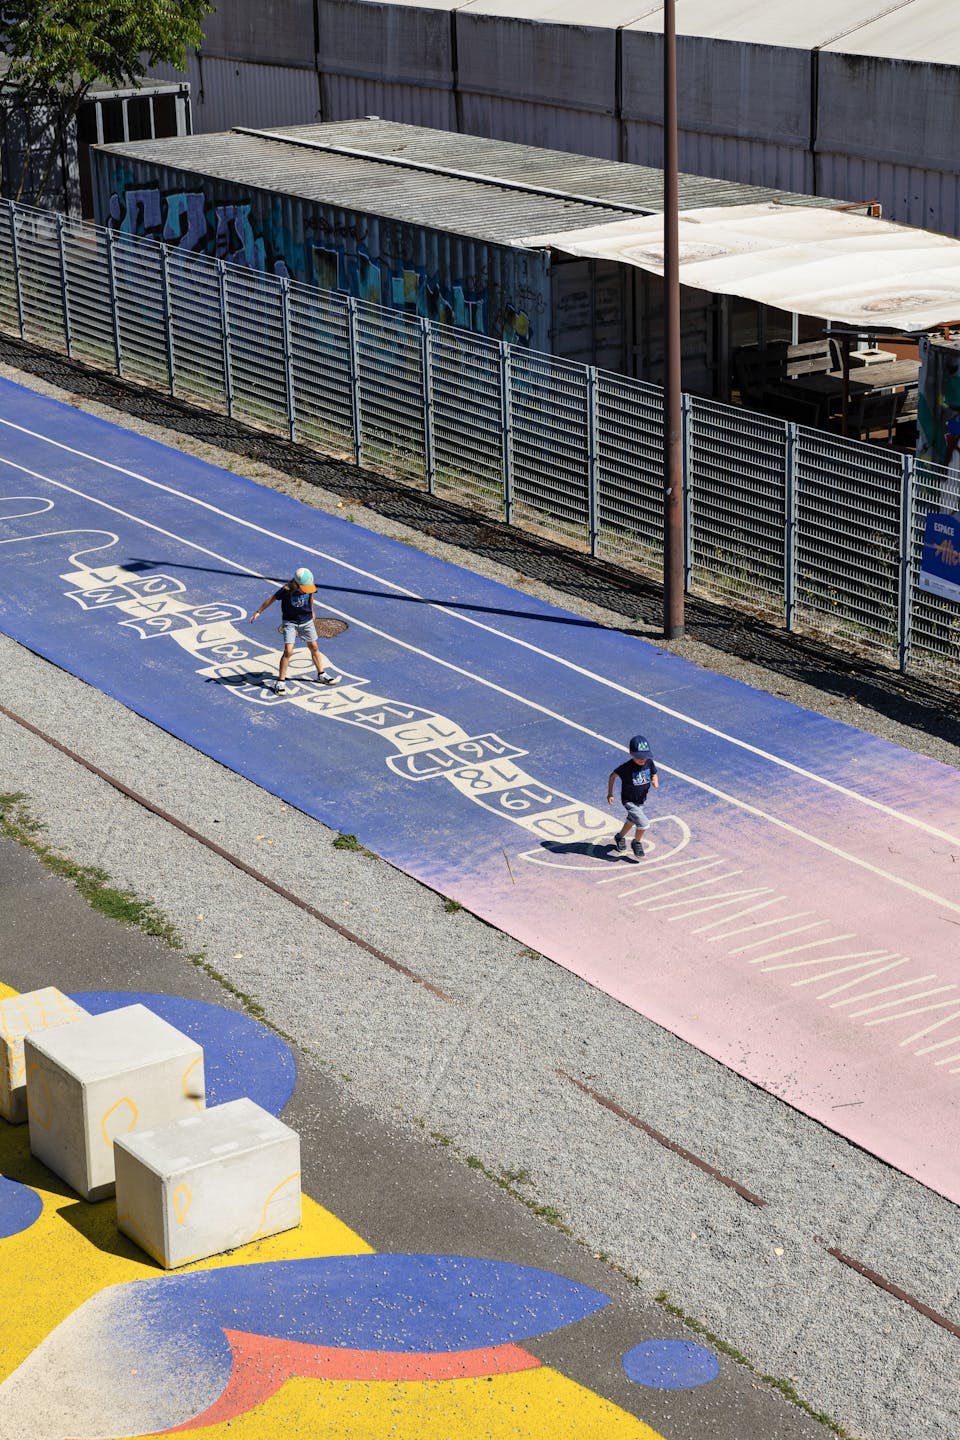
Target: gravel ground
(483,1069)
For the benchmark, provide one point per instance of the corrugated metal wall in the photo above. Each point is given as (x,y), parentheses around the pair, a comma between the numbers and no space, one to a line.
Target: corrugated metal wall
(799,110)
(491,289)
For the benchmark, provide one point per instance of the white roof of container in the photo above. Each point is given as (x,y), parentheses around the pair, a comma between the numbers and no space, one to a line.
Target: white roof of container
(924,30)
(600,15)
(806,26)
(870,274)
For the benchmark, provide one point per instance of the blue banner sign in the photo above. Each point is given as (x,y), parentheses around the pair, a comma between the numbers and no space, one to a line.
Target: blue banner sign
(940,563)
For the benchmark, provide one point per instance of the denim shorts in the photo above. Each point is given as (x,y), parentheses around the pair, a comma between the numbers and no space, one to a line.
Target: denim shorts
(306,630)
(637,815)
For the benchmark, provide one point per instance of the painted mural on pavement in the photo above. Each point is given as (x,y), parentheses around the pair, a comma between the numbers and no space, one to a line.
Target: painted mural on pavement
(307,1333)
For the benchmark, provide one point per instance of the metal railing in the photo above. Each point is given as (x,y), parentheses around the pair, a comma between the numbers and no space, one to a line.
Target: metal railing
(810,531)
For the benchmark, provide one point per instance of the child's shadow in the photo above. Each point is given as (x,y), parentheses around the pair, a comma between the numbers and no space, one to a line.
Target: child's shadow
(594,849)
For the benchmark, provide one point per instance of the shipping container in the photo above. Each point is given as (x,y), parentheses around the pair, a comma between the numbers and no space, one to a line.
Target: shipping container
(429,223)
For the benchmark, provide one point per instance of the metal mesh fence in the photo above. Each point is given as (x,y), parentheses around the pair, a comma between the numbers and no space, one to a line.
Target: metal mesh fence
(934,621)
(781,520)
(736,464)
(848,540)
(467,410)
(140,310)
(390,376)
(320,369)
(629,471)
(550,443)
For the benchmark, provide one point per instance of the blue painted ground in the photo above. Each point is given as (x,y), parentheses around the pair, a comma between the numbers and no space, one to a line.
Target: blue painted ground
(470,740)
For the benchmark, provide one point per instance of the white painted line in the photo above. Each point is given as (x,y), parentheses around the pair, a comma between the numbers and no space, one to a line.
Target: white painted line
(875,955)
(685,895)
(754,924)
(902,1000)
(770,939)
(921,1010)
(663,865)
(617,745)
(894,964)
(452,611)
(720,902)
(822,959)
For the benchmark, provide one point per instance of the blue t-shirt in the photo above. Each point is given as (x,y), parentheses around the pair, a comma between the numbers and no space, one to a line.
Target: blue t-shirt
(295,605)
(636,778)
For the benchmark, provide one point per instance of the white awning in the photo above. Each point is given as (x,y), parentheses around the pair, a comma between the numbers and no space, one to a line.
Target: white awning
(861,273)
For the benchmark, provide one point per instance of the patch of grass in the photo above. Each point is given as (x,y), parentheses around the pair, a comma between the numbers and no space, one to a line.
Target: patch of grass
(350,842)
(785,1387)
(452,906)
(17,823)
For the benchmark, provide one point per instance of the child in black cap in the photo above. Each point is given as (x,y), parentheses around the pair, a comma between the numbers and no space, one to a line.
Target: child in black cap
(636,775)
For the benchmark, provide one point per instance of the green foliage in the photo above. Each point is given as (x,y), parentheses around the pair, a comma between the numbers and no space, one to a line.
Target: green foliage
(57,48)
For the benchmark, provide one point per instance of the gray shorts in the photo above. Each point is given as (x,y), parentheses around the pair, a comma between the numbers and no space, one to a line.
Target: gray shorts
(637,815)
(292,631)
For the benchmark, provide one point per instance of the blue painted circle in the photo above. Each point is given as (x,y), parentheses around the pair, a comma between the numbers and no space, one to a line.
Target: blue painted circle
(671,1364)
(19,1207)
(240,1056)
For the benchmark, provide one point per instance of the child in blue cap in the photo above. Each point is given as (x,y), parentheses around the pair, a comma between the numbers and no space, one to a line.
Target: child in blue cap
(636,775)
(296,604)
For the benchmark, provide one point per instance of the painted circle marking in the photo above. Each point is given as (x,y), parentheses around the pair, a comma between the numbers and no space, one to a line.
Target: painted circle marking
(19,1207)
(670,1364)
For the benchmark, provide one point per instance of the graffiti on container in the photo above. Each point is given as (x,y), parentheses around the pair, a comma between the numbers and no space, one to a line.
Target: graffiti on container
(333,257)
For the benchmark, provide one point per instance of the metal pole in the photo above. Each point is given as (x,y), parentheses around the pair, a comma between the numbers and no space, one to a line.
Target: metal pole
(288,376)
(353,352)
(905,597)
(506,428)
(15,256)
(114,303)
(790,529)
(426,373)
(168,318)
(673,620)
(64,287)
(225,337)
(593,458)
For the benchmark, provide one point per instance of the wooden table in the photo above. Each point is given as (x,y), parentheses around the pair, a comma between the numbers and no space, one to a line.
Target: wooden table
(821,393)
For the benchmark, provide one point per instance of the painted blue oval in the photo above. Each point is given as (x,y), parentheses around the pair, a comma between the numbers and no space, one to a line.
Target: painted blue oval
(240,1056)
(670,1364)
(20,1207)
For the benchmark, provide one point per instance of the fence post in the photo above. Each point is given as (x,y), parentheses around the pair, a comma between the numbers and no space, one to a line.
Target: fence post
(593,457)
(15,256)
(506,428)
(353,350)
(114,307)
(686,473)
(790,527)
(64,287)
(905,605)
(225,333)
(168,318)
(426,370)
(288,358)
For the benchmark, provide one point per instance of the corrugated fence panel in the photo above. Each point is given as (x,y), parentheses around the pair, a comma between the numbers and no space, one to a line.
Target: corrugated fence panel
(257,348)
(238,92)
(548,400)
(630,471)
(390,355)
(909,194)
(467,418)
(533,122)
(320,362)
(141,315)
(848,539)
(38,248)
(935,647)
(9,307)
(88,281)
(736,464)
(196,324)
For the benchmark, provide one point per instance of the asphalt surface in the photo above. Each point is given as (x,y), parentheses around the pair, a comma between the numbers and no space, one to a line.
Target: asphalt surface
(484,1071)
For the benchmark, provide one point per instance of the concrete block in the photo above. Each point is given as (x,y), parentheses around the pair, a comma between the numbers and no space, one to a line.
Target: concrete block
(102,1077)
(22,1015)
(208,1183)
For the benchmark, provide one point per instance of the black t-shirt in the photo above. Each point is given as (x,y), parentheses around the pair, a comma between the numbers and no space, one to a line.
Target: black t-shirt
(636,778)
(294,604)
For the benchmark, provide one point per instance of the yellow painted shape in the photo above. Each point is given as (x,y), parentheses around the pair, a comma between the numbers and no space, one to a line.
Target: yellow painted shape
(7,992)
(270,1199)
(533,1405)
(74,1250)
(182,1200)
(107,1136)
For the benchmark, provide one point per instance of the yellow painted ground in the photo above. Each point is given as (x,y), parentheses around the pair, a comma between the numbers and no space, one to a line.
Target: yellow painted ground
(74,1250)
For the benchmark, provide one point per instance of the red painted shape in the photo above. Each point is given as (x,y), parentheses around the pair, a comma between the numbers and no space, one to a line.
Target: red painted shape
(262,1364)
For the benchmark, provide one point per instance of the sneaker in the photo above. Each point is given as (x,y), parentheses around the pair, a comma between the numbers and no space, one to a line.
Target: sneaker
(621,842)
(280,688)
(328,679)
(637,848)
